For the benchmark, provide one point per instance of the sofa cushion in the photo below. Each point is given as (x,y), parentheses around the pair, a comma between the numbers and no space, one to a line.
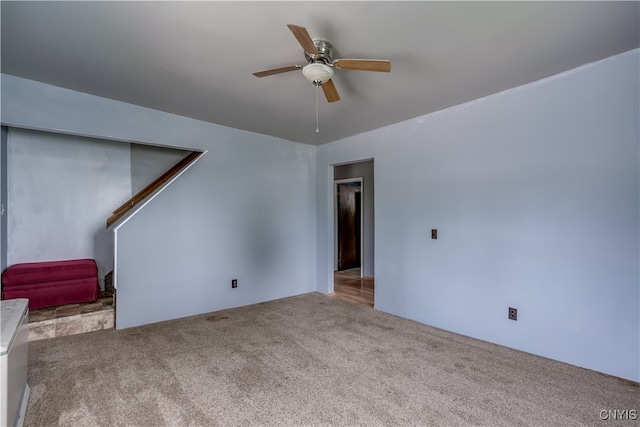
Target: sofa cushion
(51,271)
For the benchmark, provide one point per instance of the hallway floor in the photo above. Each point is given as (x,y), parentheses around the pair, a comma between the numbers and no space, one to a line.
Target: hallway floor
(349,286)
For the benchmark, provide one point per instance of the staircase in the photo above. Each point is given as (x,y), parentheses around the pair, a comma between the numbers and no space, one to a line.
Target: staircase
(149,189)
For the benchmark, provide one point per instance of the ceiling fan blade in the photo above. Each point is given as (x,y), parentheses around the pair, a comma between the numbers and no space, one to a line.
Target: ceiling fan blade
(304,39)
(380,65)
(330,91)
(273,71)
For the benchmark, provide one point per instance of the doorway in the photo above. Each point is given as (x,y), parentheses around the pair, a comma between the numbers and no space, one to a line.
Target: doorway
(353,232)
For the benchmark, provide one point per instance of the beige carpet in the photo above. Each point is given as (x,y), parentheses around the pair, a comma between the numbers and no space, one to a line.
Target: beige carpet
(307,360)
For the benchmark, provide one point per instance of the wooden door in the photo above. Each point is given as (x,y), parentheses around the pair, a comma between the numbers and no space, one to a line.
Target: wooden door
(349,224)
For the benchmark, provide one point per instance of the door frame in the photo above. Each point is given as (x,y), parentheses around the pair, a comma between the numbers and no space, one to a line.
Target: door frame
(336,182)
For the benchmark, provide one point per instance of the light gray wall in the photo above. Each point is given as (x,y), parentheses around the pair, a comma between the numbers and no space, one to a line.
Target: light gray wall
(240,212)
(61,189)
(149,162)
(535,192)
(364,170)
(246,210)
(3,198)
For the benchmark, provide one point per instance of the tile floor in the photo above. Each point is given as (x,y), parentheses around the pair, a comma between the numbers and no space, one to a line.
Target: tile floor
(72,319)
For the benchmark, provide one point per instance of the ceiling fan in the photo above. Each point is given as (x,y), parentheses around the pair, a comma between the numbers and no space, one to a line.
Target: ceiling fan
(320,64)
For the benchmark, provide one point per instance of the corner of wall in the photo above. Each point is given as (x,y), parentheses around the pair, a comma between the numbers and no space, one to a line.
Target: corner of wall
(3,198)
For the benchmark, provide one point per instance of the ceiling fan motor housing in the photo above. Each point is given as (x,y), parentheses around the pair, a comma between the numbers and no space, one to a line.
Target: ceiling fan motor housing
(324,52)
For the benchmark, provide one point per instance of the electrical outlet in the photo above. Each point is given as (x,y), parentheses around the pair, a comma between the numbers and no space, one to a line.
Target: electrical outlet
(513,313)
(434,233)
(234,283)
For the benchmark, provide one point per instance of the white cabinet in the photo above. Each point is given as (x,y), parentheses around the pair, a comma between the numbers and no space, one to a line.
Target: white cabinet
(14,391)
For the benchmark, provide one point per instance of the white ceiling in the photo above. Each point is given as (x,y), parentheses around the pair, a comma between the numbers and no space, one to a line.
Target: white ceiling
(196,58)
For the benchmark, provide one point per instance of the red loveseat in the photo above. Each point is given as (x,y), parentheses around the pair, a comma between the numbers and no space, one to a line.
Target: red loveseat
(52,283)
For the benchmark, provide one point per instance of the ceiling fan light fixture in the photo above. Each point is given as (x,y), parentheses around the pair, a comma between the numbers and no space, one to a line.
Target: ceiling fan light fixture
(317,73)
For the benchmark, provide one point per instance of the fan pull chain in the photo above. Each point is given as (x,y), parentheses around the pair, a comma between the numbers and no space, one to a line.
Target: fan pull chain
(317,126)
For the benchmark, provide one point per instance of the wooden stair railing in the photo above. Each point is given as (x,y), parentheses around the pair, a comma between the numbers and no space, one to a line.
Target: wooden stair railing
(142,194)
